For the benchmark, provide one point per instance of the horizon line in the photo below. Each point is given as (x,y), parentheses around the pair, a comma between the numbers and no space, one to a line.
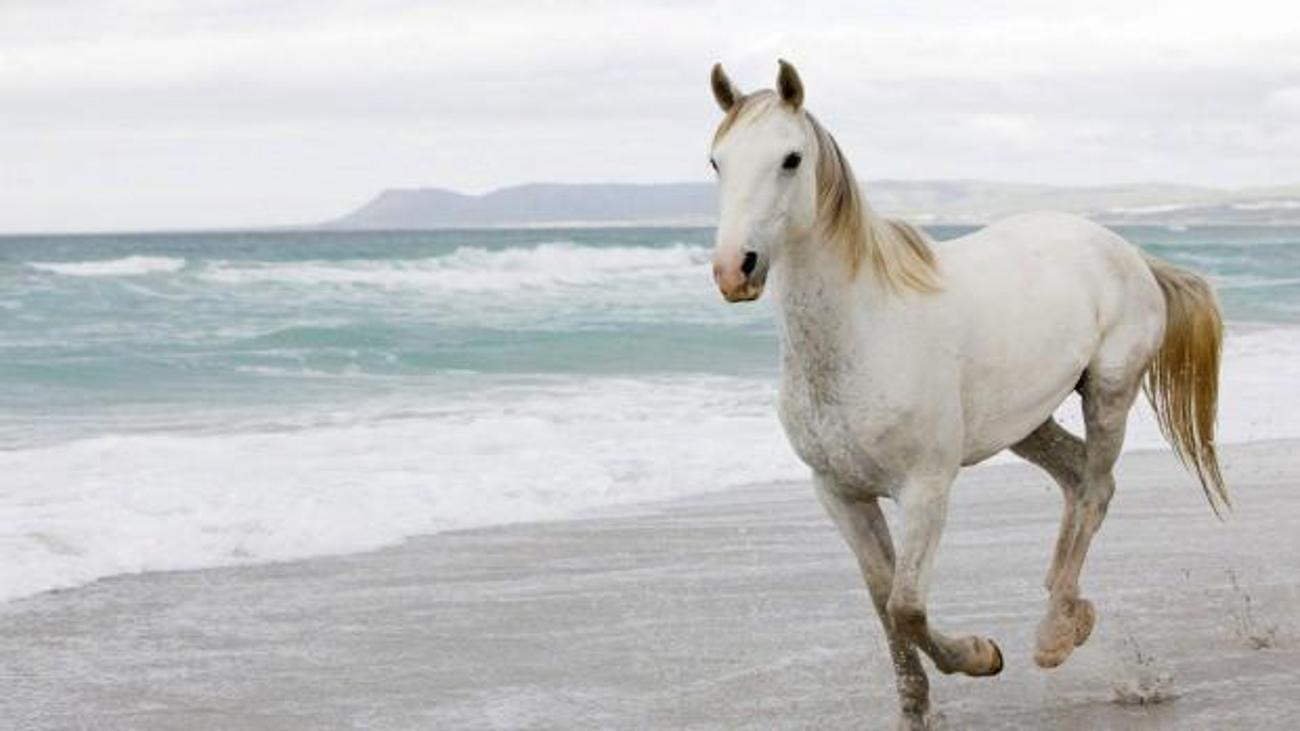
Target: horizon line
(329,223)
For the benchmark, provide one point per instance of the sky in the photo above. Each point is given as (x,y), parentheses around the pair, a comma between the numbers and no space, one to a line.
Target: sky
(141,114)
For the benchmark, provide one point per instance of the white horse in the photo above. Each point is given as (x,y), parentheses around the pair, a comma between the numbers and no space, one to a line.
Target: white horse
(904,360)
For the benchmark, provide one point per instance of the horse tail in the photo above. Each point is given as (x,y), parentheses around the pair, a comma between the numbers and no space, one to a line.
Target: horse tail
(1182,381)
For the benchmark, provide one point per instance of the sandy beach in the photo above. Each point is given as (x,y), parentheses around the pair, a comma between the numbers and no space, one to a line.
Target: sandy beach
(738,609)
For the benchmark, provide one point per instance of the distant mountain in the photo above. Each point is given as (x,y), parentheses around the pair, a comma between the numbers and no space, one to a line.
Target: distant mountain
(921,201)
(537,204)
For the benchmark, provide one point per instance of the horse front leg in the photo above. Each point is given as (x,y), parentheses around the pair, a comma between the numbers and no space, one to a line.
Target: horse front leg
(864,529)
(924,502)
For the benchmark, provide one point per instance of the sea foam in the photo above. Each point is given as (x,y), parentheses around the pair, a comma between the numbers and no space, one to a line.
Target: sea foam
(108,505)
(477,269)
(124,267)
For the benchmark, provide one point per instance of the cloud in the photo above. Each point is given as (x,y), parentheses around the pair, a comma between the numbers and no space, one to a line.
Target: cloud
(134,113)
(1285,100)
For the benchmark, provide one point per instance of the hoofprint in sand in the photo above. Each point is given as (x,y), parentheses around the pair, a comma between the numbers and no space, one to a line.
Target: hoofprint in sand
(739,609)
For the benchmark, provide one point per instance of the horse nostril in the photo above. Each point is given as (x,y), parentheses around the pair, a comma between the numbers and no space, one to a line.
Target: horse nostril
(751,261)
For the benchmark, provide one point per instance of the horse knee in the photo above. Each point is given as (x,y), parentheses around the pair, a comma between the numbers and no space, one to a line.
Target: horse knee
(1096,497)
(1069,471)
(908,618)
(882,611)
(1072,487)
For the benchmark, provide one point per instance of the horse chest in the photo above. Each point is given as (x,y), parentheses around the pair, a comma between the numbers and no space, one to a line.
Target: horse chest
(827,434)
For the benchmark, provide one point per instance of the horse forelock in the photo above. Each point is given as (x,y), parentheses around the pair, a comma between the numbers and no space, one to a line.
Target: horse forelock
(749,108)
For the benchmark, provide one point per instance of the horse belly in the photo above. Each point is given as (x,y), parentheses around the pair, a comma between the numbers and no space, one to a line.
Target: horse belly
(995,429)
(1015,379)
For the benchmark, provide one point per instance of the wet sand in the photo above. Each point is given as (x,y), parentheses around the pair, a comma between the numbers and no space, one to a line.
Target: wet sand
(739,609)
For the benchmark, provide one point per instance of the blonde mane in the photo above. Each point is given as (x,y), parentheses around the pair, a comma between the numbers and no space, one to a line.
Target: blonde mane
(898,252)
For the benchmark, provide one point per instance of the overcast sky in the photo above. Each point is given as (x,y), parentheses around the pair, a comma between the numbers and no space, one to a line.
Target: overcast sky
(139,114)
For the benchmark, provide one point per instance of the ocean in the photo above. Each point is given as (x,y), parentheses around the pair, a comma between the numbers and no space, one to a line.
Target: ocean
(172,401)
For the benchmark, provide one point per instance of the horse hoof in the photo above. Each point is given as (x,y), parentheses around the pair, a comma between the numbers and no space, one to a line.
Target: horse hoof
(1050,658)
(1053,646)
(997,659)
(920,721)
(994,666)
(1067,625)
(912,722)
(1085,617)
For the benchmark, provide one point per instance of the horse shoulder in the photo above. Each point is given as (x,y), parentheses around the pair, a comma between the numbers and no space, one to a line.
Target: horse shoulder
(871,424)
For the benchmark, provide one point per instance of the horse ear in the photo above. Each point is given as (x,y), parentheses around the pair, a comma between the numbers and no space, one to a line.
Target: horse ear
(723,90)
(788,85)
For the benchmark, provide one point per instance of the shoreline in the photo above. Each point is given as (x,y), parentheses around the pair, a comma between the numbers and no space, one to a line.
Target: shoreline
(738,608)
(633,509)
(638,508)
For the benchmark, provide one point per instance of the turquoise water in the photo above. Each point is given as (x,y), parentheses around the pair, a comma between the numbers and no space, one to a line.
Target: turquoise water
(95,322)
(182,400)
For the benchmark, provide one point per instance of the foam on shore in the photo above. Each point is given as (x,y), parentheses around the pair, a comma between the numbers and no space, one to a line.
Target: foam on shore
(94,507)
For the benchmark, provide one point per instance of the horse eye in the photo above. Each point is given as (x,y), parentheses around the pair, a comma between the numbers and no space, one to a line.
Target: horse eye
(791,161)
(714,163)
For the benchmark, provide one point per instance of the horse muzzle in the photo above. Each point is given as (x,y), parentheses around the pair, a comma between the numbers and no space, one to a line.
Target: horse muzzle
(740,278)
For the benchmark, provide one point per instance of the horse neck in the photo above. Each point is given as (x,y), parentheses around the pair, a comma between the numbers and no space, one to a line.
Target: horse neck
(823,308)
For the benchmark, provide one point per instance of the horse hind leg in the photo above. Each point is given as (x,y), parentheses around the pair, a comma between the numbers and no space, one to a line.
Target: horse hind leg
(1069,619)
(1061,455)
